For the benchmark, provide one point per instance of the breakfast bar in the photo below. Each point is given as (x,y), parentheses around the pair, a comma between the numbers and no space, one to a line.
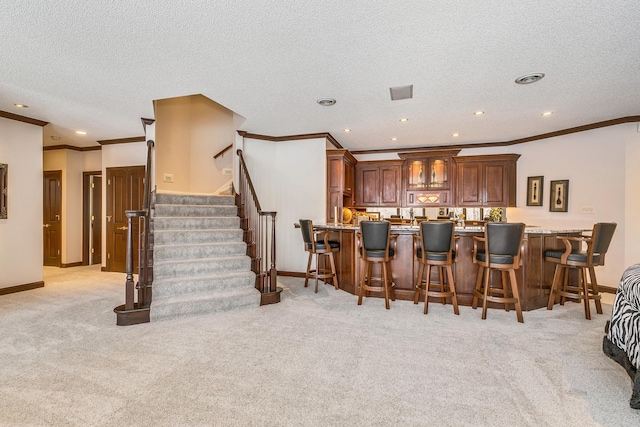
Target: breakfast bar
(534,277)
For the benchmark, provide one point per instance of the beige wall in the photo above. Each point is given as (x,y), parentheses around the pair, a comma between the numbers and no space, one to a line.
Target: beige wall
(290,178)
(70,162)
(189,131)
(21,232)
(118,155)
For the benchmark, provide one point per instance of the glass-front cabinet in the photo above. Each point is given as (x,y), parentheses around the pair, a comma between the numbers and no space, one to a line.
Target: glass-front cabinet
(427,178)
(429,174)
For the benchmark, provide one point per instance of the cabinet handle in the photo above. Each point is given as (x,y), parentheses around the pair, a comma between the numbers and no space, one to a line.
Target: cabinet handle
(46,225)
(411,198)
(122,228)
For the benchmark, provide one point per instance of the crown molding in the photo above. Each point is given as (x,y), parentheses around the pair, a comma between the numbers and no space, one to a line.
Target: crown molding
(583,128)
(122,140)
(70,147)
(22,119)
(326,135)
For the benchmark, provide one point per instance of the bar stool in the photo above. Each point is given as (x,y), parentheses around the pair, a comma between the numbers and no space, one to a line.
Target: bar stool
(435,247)
(374,241)
(503,252)
(570,258)
(317,243)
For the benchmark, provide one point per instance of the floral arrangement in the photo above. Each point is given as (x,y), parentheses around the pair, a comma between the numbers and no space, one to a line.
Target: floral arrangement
(495,214)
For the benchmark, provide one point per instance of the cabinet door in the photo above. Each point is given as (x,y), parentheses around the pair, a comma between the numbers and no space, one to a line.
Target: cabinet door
(349,178)
(367,185)
(470,185)
(495,184)
(335,175)
(390,184)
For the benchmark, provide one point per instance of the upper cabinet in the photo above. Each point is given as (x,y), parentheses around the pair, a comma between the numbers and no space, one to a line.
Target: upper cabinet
(487,181)
(428,178)
(340,182)
(378,183)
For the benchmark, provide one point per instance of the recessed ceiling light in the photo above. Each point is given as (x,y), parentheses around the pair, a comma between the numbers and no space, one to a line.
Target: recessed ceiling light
(81,132)
(547,113)
(347,130)
(478,113)
(455,135)
(394,139)
(529,78)
(55,137)
(326,102)
(21,106)
(404,120)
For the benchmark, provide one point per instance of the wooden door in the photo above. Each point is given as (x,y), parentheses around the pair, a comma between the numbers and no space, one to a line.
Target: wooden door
(495,184)
(367,185)
(125,190)
(91,218)
(51,218)
(390,185)
(96,220)
(470,185)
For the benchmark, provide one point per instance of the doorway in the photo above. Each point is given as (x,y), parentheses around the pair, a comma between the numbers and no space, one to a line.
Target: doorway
(125,191)
(91,218)
(51,218)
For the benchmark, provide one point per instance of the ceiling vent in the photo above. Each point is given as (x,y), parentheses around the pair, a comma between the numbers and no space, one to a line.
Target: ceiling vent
(401,92)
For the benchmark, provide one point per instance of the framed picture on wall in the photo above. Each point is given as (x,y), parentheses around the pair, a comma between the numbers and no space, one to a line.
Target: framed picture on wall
(535,186)
(559,197)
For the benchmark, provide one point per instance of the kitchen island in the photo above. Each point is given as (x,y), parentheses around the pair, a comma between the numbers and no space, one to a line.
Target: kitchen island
(534,277)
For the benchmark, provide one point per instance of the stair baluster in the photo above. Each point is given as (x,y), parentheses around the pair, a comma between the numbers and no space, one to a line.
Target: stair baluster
(260,236)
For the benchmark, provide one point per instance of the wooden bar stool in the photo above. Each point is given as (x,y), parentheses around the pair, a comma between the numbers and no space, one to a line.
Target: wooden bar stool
(374,241)
(576,258)
(503,251)
(435,247)
(317,243)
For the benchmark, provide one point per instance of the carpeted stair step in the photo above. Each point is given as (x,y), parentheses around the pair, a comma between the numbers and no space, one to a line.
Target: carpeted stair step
(180,286)
(195,210)
(164,237)
(191,223)
(190,199)
(198,251)
(205,303)
(200,267)
(199,257)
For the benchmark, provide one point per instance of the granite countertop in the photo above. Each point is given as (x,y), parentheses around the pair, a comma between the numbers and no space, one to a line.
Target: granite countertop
(470,229)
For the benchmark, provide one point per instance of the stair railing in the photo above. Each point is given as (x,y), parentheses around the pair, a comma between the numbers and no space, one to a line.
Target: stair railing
(138,312)
(259,234)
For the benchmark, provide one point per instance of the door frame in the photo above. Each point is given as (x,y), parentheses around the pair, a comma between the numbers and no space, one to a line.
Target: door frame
(56,174)
(86,218)
(131,202)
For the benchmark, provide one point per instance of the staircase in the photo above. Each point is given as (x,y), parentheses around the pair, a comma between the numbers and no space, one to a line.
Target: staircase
(199,258)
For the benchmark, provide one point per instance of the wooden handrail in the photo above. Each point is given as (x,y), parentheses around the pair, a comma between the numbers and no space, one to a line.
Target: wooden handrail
(224,150)
(259,233)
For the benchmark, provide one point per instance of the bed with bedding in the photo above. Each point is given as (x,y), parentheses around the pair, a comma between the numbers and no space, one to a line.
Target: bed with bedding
(622,339)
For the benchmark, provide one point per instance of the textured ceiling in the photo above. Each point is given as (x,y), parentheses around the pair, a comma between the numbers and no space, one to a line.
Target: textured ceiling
(98,66)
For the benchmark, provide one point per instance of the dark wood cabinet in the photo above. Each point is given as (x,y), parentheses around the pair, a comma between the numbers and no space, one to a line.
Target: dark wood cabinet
(428,178)
(340,182)
(486,181)
(378,183)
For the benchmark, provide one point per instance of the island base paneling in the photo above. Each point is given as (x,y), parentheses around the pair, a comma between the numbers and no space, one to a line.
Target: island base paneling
(534,277)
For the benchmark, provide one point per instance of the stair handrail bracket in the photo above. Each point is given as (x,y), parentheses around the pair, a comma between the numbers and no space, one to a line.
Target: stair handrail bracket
(260,236)
(132,312)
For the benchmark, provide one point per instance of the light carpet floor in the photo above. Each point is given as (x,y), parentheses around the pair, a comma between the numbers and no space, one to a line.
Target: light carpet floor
(311,360)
